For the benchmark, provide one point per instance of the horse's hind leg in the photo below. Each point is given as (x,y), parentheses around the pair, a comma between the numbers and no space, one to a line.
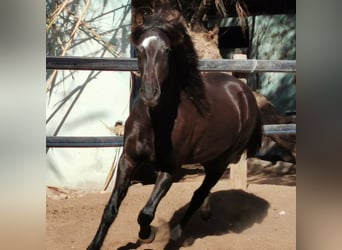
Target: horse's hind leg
(146,215)
(214,170)
(122,183)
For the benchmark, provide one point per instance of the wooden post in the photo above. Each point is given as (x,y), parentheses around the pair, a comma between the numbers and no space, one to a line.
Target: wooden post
(238,173)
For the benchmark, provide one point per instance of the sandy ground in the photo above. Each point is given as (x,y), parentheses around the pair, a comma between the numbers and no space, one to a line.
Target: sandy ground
(263,217)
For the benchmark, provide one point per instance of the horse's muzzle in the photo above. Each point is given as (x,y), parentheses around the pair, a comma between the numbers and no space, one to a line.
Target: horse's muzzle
(150,95)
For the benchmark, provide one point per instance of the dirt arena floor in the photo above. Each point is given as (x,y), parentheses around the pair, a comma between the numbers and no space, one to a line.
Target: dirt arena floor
(263,217)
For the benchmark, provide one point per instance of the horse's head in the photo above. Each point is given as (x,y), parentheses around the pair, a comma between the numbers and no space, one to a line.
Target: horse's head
(153,50)
(153,41)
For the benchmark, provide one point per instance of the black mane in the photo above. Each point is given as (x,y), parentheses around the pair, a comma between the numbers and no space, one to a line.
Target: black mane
(184,56)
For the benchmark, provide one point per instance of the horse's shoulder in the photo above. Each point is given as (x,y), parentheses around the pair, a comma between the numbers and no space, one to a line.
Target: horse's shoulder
(139,145)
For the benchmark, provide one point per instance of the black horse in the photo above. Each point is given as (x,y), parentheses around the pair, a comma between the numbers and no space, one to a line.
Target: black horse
(182,117)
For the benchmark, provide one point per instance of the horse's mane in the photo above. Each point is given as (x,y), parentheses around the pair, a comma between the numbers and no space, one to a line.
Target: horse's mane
(184,54)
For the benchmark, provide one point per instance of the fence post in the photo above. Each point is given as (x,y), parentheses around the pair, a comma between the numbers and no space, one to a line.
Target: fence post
(238,173)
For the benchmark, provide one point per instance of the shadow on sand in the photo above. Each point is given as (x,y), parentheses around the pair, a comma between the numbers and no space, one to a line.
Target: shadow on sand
(231,211)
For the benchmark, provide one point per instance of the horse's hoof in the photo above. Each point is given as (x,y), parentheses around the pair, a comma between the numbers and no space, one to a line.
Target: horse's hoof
(149,239)
(176,233)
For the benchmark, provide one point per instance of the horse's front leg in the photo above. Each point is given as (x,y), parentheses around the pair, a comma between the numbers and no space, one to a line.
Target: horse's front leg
(125,168)
(146,215)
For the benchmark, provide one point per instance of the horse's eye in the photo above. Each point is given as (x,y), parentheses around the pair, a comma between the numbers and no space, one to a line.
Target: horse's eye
(166,50)
(140,50)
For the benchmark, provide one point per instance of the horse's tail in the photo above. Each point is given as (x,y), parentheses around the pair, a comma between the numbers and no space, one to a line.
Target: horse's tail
(255,140)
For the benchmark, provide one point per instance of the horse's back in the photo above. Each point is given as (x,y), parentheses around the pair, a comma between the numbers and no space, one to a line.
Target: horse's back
(227,83)
(226,90)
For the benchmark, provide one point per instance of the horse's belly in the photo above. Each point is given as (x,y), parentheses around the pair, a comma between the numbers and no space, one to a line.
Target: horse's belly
(212,146)
(201,145)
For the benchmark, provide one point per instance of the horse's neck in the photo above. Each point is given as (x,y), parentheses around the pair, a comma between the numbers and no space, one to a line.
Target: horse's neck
(164,114)
(170,94)
(162,118)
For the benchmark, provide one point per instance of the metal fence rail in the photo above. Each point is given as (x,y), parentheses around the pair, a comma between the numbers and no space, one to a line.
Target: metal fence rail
(130,64)
(279,129)
(117,141)
(83,141)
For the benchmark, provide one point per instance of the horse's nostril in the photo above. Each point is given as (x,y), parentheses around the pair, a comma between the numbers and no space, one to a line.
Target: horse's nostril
(156,91)
(149,92)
